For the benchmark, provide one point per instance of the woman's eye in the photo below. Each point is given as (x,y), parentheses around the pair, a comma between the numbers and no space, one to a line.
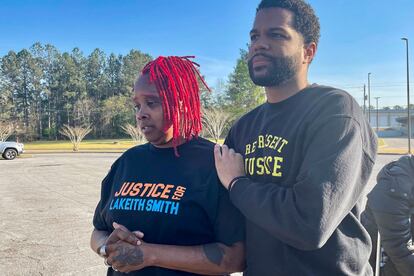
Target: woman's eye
(137,108)
(277,35)
(152,103)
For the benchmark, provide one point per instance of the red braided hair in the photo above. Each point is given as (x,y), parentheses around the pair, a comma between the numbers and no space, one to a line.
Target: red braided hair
(176,81)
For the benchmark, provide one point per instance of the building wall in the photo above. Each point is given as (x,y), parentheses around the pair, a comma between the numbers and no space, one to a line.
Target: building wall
(386,118)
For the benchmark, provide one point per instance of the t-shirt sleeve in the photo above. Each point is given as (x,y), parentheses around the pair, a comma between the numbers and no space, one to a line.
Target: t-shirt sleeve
(99,216)
(229,139)
(229,224)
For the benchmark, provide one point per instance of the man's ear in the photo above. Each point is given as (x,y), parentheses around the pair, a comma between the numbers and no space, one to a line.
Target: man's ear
(309,52)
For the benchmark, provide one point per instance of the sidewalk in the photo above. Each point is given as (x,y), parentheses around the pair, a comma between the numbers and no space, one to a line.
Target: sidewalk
(397,145)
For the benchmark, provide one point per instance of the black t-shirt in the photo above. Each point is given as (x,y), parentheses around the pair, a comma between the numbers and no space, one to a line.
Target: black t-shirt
(172,200)
(308,160)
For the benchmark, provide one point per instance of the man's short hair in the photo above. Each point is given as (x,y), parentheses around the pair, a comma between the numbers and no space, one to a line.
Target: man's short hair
(305,20)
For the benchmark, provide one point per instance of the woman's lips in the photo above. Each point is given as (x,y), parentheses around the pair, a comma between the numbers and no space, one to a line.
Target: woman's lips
(147,129)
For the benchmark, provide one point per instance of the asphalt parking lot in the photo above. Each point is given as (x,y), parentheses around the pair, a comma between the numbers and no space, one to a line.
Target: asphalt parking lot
(46,208)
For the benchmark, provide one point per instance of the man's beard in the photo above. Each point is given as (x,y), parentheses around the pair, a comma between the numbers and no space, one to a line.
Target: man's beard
(279,71)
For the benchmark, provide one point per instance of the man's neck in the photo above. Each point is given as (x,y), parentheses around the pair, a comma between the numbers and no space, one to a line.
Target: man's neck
(275,94)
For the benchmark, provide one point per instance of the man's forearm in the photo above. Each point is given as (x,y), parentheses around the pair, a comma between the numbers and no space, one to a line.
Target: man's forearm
(208,259)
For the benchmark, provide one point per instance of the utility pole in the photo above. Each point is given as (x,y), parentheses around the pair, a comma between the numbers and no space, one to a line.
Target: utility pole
(369,97)
(365,99)
(408,97)
(377,98)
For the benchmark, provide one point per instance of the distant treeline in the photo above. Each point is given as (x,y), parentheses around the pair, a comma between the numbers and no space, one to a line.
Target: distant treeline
(41,89)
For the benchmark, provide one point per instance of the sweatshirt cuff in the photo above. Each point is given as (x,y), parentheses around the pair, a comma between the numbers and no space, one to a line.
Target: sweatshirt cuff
(237,190)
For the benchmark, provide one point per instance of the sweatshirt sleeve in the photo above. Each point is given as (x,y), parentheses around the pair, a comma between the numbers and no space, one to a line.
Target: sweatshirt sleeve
(332,177)
(390,203)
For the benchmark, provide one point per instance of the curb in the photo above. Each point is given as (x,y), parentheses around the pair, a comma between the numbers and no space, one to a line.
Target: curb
(73,152)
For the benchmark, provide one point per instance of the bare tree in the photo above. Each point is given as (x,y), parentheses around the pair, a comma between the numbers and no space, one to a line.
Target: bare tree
(215,121)
(83,109)
(134,132)
(75,134)
(5,131)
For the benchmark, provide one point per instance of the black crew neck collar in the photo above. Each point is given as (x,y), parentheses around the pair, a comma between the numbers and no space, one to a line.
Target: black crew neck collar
(183,146)
(291,98)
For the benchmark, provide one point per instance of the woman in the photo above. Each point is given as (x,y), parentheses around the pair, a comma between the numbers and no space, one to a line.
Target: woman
(167,188)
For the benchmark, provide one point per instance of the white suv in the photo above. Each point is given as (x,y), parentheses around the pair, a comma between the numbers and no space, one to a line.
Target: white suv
(9,150)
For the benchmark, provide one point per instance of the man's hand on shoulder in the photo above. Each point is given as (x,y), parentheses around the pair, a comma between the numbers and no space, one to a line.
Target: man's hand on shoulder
(229,164)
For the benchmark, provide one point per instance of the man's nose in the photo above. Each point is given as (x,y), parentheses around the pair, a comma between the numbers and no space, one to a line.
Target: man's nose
(260,43)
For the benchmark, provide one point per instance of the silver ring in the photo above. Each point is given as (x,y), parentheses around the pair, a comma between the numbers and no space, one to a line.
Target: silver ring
(102,251)
(106,262)
(115,269)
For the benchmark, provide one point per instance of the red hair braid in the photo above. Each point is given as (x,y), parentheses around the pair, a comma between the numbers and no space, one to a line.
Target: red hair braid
(176,81)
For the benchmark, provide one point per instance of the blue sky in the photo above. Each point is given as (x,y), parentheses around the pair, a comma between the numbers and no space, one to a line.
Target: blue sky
(358,36)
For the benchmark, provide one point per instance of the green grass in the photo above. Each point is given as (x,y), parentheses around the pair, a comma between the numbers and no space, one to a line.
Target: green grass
(120,145)
(94,145)
(104,144)
(112,144)
(220,141)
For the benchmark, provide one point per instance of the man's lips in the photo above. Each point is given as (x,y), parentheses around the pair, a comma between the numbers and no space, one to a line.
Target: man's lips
(260,60)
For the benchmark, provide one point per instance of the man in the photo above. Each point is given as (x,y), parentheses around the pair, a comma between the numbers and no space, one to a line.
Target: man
(389,211)
(297,166)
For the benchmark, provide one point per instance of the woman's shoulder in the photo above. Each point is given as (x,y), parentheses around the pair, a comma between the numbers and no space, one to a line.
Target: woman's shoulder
(199,152)
(201,145)
(204,142)
(137,150)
